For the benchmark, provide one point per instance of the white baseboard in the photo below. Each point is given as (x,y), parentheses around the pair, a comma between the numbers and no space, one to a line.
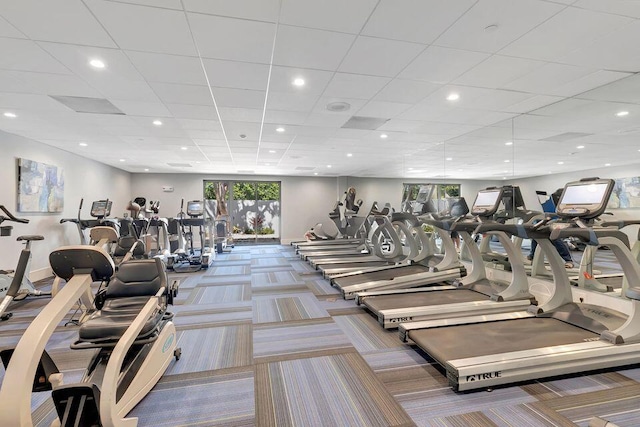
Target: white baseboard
(43,273)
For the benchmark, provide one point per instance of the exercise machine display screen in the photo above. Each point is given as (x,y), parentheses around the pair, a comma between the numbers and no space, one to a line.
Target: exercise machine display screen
(589,194)
(101,209)
(487,198)
(195,208)
(424,194)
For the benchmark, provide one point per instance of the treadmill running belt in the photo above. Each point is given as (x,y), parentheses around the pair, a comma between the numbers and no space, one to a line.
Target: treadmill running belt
(381,275)
(482,339)
(357,265)
(420,299)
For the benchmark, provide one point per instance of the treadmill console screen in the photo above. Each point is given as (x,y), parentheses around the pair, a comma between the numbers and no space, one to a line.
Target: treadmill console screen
(486,202)
(424,194)
(195,208)
(100,209)
(586,199)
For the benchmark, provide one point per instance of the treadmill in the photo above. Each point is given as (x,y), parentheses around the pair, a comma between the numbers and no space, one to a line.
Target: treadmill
(431,270)
(473,295)
(567,337)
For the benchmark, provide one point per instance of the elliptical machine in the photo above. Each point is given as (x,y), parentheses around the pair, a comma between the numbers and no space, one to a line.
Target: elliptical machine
(185,257)
(17,287)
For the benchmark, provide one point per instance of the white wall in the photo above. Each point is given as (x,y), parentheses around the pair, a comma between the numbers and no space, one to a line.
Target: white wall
(83,178)
(305,200)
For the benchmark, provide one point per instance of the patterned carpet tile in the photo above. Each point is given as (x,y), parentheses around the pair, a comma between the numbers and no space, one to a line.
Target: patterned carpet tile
(520,416)
(444,402)
(220,294)
(225,280)
(233,270)
(335,390)
(278,278)
(286,309)
(299,340)
(552,389)
(206,349)
(210,400)
(302,267)
(472,419)
(366,334)
(321,286)
(394,358)
(269,262)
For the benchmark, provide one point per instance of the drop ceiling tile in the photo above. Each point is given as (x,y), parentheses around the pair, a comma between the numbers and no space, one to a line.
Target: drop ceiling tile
(399,125)
(130,90)
(414,20)
(513,19)
(442,65)
(25,55)
(248,41)
(164,30)
(64,21)
(240,114)
(498,71)
(569,30)
(543,80)
(167,4)
(355,86)
(309,48)
(383,109)
(285,117)
(157,67)
(625,90)
(332,15)
(533,103)
(614,51)
(623,7)
(354,105)
(301,102)
(56,84)
(201,112)
(406,91)
(260,10)
(588,82)
(136,108)
(326,119)
(190,124)
(379,57)
(31,102)
(315,80)
(240,98)
(239,75)
(171,93)
(8,30)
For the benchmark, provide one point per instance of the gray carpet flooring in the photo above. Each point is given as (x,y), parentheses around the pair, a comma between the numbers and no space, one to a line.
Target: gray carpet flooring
(267,342)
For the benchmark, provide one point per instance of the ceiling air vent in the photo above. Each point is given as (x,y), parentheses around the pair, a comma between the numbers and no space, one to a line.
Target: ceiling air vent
(81,104)
(179,165)
(365,123)
(305,168)
(566,136)
(338,107)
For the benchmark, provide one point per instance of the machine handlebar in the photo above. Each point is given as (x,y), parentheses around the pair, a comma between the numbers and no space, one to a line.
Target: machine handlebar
(11,217)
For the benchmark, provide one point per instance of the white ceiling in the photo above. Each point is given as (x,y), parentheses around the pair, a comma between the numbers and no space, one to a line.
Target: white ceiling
(547,75)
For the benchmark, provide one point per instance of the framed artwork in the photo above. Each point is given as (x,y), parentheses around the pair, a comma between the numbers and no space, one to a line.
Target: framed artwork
(626,193)
(40,187)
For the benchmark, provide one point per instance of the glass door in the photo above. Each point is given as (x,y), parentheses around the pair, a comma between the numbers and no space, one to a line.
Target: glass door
(253,209)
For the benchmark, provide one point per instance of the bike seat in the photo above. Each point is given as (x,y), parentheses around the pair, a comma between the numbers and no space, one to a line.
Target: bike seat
(30,237)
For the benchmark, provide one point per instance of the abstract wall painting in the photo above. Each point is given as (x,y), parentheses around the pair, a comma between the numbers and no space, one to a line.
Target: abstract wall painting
(40,187)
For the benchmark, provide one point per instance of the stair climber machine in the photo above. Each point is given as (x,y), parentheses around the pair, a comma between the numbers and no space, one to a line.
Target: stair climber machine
(100,210)
(221,232)
(513,211)
(474,294)
(344,216)
(15,285)
(185,257)
(132,336)
(563,335)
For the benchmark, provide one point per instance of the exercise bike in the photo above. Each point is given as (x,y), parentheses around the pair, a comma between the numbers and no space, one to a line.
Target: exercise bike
(15,285)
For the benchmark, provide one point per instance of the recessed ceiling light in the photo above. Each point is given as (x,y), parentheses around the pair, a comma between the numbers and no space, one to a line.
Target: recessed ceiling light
(10,115)
(607,164)
(453,97)
(349,155)
(298,82)
(508,143)
(507,161)
(97,63)
(146,170)
(460,170)
(315,173)
(622,113)
(449,158)
(279,129)
(561,163)
(579,147)
(328,166)
(122,160)
(410,169)
(183,148)
(267,164)
(83,144)
(504,177)
(384,135)
(157,122)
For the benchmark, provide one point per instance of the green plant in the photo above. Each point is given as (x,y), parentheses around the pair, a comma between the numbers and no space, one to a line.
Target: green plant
(236,229)
(249,231)
(428,228)
(257,221)
(267,230)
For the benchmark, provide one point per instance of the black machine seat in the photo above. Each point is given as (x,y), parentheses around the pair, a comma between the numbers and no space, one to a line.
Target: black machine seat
(124,245)
(134,284)
(30,237)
